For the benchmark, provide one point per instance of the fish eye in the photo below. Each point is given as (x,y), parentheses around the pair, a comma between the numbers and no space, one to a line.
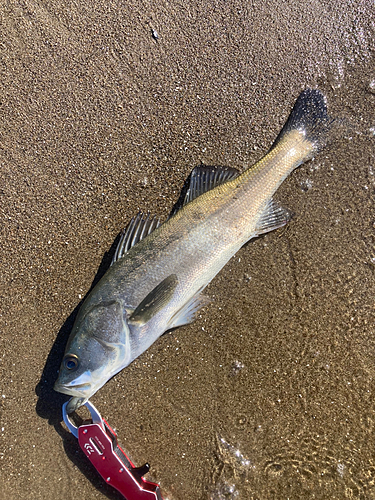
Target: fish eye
(71,361)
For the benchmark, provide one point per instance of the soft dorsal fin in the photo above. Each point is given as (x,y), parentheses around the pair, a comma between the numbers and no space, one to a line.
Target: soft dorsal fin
(155,301)
(136,231)
(273,217)
(201,180)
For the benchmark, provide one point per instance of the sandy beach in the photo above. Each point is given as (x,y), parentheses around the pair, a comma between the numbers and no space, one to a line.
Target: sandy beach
(105,108)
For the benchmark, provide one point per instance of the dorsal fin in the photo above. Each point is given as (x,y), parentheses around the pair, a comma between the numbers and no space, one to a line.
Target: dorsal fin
(201,180)
(136,231)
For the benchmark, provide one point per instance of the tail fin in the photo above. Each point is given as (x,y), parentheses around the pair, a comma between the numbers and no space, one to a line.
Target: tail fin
(309,116)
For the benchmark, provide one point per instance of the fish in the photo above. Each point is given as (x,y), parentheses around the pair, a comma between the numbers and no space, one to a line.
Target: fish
(159,271)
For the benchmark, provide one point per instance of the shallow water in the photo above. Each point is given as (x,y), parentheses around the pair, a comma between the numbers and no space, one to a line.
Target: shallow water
(270,393)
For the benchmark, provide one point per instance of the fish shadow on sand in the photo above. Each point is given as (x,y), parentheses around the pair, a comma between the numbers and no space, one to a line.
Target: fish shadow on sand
(50,402)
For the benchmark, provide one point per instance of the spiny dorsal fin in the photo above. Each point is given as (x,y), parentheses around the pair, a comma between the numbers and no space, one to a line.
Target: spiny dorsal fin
(155,301)
(136,231)
(273,217)
(201,180)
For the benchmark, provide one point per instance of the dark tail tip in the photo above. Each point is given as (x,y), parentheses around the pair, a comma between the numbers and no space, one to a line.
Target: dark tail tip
(309,116)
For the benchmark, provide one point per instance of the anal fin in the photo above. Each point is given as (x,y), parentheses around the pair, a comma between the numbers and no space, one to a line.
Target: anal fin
(273,217)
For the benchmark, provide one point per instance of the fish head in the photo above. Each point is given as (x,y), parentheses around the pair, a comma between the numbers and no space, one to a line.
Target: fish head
(97,349)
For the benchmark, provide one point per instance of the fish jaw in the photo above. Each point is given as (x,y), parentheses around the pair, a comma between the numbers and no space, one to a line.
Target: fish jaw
(74,403)
(80,392)
(80,386)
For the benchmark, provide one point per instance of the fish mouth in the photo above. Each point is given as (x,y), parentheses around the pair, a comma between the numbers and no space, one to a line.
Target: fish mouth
(80,394)
(79,390)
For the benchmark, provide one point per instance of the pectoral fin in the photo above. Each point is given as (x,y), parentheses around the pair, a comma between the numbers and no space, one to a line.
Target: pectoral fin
(155,301)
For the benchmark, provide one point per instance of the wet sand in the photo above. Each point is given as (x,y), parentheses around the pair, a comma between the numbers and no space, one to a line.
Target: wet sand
(105,109)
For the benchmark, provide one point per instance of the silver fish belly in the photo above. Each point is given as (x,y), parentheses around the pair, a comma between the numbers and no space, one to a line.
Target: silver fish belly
(159,271)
